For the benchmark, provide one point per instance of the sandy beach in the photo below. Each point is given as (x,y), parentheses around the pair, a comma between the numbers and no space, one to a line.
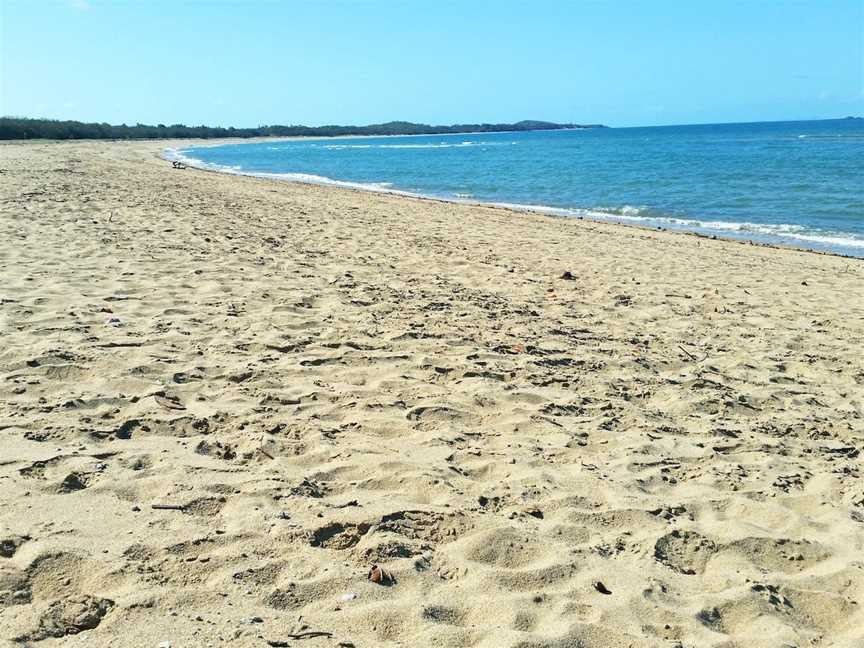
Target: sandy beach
(223,399)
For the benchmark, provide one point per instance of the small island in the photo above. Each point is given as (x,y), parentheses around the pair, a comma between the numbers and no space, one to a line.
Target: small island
(20,128)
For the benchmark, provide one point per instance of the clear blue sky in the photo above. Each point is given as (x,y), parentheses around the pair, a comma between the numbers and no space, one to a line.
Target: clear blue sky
(622,62)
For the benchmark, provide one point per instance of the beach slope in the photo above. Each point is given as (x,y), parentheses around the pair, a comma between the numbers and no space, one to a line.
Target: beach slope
(223,399)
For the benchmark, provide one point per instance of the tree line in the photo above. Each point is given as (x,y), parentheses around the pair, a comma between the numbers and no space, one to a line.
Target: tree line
(18,128)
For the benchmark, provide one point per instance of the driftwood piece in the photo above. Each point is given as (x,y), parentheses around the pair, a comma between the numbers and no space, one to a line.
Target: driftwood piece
(311,634)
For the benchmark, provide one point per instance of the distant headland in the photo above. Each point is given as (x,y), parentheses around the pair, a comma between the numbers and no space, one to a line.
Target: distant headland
(18,128)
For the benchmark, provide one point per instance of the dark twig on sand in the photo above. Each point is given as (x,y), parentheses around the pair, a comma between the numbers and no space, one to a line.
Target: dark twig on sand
(168,507)
(346,504)
(690,355)
(300,635)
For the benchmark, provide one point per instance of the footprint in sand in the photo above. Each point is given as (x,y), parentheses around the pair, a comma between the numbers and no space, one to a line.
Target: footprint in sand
(686,552)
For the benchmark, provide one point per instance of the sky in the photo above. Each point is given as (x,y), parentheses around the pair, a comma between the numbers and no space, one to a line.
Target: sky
(254,62)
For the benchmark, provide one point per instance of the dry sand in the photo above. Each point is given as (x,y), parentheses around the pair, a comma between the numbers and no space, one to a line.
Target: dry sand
(322,379)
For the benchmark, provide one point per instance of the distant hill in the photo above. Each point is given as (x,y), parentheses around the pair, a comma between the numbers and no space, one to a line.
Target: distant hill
(16,128)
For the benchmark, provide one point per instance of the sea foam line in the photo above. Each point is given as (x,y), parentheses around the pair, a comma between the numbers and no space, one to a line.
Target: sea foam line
(306,178)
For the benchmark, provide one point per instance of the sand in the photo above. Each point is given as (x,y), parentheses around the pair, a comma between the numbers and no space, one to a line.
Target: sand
(663,450)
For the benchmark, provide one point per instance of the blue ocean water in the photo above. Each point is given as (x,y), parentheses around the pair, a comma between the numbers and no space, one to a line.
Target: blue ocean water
(792,183)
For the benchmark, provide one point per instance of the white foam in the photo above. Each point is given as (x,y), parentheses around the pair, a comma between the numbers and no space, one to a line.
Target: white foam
(778,231)
(834,240)
(310,178)
(628,210)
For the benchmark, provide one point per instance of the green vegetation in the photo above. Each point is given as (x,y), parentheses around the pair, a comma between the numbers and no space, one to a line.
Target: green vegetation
(16,128)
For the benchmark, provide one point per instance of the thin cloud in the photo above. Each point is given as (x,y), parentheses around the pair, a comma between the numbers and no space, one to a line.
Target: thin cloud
(80,5)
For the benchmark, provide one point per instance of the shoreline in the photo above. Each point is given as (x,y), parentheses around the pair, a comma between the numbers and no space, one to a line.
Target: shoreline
(566,213)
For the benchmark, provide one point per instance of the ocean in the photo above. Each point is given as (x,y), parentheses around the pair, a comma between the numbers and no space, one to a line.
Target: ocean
(788,183)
